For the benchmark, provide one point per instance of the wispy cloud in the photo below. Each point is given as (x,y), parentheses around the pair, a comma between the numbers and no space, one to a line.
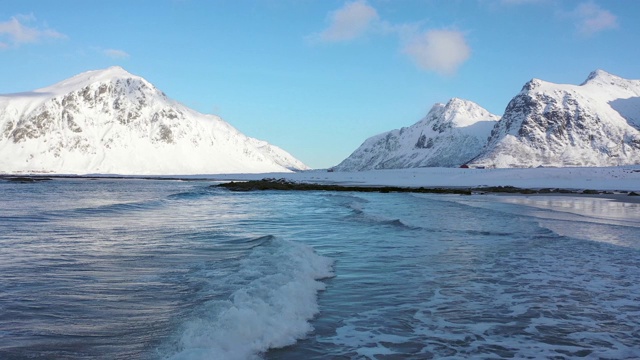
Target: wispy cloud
(115,53)
(591,18)
(442,51)
(18,30)
(349,22)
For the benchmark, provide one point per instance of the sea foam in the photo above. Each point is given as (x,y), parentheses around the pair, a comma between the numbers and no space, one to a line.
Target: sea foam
(276,296)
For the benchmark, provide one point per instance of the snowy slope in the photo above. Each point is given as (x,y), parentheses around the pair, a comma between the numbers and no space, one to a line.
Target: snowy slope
(112,122)
(448,136)
(594,124)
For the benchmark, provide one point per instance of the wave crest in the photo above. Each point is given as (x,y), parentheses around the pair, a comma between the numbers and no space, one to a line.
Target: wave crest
(277,296)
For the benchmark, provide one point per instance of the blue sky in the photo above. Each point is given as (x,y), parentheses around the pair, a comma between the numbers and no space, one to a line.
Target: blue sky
(317,77)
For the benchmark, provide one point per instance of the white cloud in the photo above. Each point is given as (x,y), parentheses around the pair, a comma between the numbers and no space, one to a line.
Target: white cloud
(115,54)
(442,51)
(349,22)
(591,18)
(14,32)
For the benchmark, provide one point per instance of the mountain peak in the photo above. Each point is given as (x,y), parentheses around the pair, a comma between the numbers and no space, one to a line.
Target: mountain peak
(532,85)
(91,77)
(456,103)
(461,113)
(114,71)
(456,100)
(601,77)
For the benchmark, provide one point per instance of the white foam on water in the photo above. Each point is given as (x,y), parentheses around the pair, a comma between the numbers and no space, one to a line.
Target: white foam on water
(494,284)
(367,341)
(271,308)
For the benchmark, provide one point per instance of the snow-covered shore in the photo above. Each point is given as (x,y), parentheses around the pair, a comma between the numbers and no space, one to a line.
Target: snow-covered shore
(625,178)
(621,178)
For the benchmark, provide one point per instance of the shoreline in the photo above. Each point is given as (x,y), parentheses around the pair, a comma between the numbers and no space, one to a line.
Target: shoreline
(256,182)
(286,185)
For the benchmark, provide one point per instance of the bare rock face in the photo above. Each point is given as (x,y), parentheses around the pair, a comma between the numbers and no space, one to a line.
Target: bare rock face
(546,124)
(110,121)
(450,135)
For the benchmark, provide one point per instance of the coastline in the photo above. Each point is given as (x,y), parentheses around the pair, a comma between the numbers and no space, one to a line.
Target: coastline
(286,185)
(253,182)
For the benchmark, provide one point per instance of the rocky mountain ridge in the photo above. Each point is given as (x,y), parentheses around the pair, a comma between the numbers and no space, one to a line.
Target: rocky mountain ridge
(596,123)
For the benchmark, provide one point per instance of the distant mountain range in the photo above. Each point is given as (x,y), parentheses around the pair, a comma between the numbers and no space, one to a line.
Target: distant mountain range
(546,124)
(112,122)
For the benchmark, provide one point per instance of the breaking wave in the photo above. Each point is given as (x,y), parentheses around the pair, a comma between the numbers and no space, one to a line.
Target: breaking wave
(275,295)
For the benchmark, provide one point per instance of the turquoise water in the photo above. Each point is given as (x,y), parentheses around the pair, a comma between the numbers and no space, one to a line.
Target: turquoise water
(178,270)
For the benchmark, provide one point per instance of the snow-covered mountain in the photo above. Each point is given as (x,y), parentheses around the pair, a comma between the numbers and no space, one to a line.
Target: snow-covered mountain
(112,122)
(450,135)
(593,124)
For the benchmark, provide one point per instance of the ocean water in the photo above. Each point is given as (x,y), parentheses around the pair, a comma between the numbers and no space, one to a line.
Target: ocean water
(141,269)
